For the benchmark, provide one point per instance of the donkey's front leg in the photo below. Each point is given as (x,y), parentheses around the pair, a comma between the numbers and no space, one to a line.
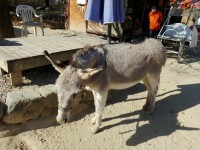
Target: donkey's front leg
(100,102)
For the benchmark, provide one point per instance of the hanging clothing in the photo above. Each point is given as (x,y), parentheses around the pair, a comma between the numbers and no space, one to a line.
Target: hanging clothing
(105,11)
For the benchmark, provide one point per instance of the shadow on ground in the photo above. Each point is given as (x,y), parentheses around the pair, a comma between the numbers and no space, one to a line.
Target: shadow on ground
(163,121)
(5,42)
(44,121)
(114,96)
(17,32)
(192,54)
(40,76)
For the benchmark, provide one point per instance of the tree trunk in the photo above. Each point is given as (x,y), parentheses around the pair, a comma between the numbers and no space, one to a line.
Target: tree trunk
(6,28)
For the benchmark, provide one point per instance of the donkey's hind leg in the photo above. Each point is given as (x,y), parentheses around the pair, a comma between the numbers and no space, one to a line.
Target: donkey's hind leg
(151,81)
(147,84)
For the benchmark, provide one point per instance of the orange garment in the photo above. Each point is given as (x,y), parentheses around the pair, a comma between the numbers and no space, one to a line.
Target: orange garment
(155,20)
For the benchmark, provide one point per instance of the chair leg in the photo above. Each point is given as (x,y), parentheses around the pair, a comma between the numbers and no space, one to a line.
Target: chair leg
(42,30)
(25,31)
(35,31)
(22,31)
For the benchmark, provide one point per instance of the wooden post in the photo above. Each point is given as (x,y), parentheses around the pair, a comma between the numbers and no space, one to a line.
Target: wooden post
(2,72)
(16,78)
(109,34)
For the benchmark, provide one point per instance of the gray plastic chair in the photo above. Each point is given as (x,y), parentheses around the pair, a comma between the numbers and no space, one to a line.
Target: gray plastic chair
(26,13)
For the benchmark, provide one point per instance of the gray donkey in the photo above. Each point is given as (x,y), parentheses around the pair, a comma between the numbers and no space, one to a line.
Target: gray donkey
(104,67)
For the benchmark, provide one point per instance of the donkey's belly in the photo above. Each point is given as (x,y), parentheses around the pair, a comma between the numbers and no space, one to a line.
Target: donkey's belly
(123,85)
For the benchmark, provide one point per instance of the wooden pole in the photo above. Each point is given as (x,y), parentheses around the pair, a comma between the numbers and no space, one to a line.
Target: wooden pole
(109,34)
(2,72)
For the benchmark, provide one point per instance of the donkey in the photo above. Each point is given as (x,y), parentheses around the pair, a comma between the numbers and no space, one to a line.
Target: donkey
(104,67)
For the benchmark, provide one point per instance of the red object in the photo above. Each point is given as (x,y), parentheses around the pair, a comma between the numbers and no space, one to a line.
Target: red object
(187,3)
(155,20)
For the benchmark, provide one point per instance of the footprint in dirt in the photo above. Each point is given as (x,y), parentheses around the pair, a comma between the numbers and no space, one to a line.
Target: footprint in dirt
(21,146)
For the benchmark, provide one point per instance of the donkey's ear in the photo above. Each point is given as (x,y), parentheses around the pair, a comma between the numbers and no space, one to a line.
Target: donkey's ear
(58,65)
(89,72)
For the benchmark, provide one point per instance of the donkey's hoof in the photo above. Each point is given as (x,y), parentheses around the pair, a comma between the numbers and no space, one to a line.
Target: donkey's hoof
(145,107)
(93,121)
(148,108)
(95,129)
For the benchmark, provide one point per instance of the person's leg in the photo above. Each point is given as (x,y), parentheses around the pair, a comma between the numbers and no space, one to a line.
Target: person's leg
(150,33)
(156,33)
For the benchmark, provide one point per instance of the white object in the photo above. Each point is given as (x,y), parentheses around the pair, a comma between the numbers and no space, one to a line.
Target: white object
(194,37)
(81,2)
(26,13)
(182,31)
(198,22)
(178,30)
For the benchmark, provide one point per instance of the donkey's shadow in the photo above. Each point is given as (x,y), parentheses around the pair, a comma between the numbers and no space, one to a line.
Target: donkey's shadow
(116,96)
(164,119)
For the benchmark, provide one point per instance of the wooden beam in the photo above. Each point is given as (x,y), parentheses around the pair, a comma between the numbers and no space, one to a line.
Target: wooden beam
(16,78)
(33,62)
(109,34)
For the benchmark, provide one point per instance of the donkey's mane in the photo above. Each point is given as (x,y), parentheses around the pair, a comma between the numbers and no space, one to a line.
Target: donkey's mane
(81,53)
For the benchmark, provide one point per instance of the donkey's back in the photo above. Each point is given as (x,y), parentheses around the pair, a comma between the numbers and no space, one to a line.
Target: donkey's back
(127,64)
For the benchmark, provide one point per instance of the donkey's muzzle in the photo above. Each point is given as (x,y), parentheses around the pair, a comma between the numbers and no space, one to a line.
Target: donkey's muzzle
(61,120)
(62,117)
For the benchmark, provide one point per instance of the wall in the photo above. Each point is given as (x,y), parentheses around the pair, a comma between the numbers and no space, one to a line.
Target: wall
(76,17)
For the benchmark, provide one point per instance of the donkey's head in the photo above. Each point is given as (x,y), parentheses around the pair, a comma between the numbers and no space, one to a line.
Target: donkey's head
(69,92)
(70,85)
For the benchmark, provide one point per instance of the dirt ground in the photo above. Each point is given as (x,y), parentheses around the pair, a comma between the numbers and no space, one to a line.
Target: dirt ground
(175,123)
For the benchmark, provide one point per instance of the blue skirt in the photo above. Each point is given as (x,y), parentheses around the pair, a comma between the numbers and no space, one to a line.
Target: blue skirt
(105,11)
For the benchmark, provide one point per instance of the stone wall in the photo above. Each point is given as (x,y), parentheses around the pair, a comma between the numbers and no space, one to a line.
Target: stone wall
(31,109)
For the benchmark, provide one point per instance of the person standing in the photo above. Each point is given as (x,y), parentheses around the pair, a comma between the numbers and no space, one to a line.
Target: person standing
(155,21)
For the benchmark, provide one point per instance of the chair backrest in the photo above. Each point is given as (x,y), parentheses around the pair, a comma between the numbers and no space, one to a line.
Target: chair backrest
(178,30)
(25,12)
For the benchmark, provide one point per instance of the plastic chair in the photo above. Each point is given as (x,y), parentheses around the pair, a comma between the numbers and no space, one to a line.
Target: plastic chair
(194,37)
(26,12)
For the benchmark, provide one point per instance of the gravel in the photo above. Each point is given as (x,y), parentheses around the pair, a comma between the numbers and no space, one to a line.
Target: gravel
(5,86)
